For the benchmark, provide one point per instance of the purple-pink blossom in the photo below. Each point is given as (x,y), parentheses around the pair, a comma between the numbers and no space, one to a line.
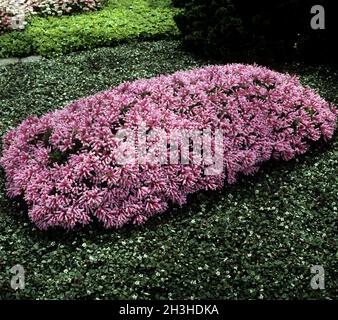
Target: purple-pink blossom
(64,164)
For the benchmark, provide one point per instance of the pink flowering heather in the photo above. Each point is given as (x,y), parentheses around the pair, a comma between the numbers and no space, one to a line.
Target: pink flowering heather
(15,14)
(65,165)
(5,22)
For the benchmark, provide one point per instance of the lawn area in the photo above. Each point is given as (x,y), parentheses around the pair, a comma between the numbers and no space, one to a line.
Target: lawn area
(255,239)
(117,21)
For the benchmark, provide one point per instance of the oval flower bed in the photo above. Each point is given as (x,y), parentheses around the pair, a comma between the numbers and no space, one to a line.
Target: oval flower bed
(67,167)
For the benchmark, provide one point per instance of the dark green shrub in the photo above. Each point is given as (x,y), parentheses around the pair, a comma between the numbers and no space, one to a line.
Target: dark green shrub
(15,44)
(256,30)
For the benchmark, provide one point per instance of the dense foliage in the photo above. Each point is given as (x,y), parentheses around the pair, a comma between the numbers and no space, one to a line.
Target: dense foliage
(16,13)
(66,164)
(116,22)
(255,239)
(258,30)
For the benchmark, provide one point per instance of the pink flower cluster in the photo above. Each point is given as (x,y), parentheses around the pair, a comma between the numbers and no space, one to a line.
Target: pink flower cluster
(63,7)
(64,163)
(5,22)
(14,14)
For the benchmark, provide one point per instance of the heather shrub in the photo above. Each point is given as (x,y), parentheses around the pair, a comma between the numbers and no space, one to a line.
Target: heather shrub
(13,14)
(5,22)
(66,163)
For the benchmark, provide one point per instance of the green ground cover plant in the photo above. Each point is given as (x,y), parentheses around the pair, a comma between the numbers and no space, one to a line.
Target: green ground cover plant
(118,21)
(255,239)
